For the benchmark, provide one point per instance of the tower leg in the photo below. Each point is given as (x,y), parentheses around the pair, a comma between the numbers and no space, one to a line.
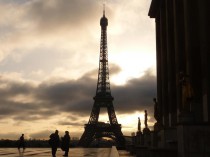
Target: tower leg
(88,136)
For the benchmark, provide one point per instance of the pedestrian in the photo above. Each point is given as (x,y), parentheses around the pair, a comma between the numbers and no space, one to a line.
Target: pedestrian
(54,142)
(65,143)
(21,142)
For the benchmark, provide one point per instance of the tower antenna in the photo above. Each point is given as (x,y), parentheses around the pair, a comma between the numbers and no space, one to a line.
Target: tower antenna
(104,4)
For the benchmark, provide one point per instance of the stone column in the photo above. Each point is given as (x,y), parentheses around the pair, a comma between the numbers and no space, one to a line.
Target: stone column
(179,48)
(193,55)
(207,19)
(164,65)
(158,65)
(171,63)
(204,44)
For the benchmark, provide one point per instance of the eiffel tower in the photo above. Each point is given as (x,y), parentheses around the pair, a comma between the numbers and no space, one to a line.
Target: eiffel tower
(103,99)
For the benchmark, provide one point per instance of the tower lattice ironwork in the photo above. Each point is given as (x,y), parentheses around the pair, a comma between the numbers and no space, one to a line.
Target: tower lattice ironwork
(103,99)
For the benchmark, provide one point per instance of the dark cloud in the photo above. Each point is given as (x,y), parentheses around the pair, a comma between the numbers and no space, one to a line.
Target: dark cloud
(74,97)
(113,69)
(57,15)
(14,88)
(136,95)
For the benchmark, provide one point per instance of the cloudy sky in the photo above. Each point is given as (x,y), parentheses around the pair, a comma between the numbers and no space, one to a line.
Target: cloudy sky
(49,55)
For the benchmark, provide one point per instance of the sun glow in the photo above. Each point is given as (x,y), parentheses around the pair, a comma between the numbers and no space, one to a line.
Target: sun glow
(130,121)
(130,69)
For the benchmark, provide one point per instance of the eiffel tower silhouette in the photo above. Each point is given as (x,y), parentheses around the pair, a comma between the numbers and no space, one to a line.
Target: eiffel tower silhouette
(103,99)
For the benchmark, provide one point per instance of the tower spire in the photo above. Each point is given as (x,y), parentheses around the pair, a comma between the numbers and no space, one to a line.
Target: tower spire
(104,9)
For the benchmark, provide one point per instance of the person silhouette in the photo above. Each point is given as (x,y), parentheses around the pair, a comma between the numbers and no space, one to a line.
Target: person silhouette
(54,142)
(65,143)
(21,142)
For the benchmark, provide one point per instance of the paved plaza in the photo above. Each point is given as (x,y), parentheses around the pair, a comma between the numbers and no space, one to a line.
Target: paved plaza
(74,152)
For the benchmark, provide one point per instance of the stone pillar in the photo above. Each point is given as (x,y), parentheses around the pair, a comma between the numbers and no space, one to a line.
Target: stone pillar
(171,63)
(204,48)
(158,65)
(164,66)
(207,13)
(193,55)
(179,48)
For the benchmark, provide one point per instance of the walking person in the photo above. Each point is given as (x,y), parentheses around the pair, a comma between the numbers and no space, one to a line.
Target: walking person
(65,143)
(54,142)
(21,144)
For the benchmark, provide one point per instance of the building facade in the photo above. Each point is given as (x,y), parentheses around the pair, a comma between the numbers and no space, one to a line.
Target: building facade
(182,48)
(183,75)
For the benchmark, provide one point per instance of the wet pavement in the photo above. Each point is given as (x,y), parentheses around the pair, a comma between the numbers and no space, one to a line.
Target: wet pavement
(73,152)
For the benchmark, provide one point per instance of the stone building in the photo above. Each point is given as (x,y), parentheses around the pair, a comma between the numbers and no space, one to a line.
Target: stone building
(183,74)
